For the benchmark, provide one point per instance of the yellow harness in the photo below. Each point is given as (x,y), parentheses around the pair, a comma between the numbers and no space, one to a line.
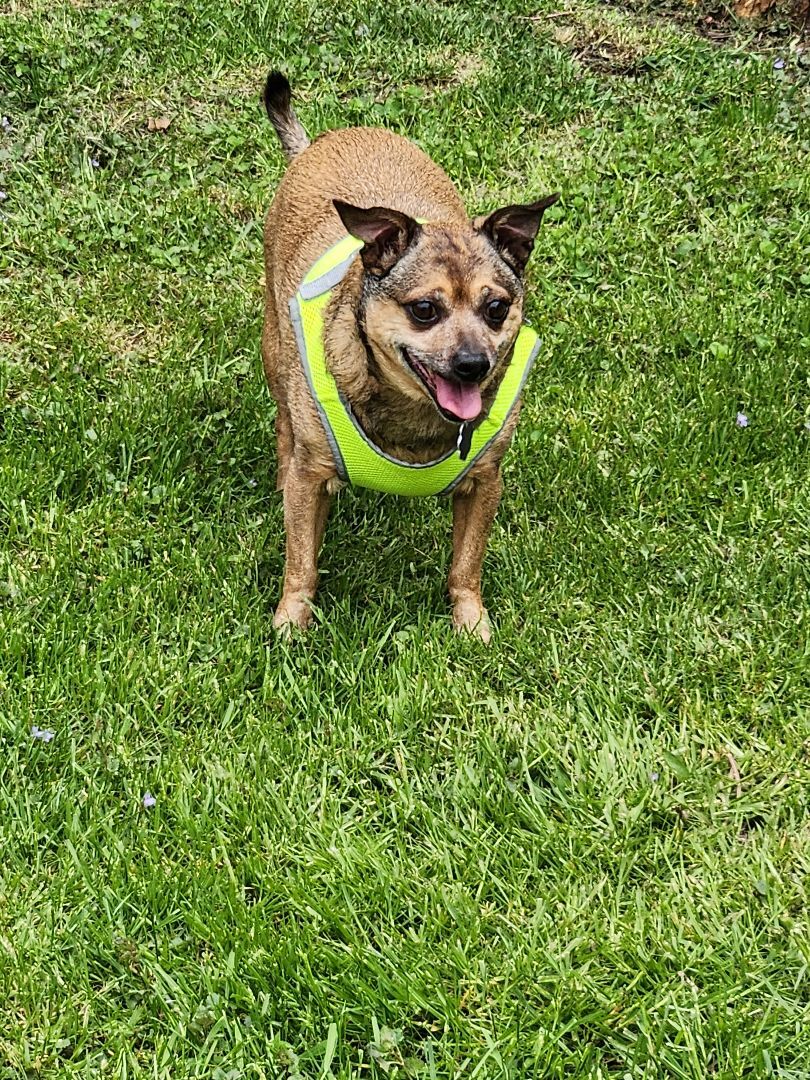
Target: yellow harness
(357,459)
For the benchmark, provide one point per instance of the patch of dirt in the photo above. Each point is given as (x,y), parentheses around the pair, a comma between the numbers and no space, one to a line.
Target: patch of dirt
(468,66)
(618,37)
(756,23)
(130,347)
(774,26)
(231,206)
(606,57)
(604,45)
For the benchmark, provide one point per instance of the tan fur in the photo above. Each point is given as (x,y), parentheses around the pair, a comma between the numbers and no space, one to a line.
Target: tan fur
(373,167)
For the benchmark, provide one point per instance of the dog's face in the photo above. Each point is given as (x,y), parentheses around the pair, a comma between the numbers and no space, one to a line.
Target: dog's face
(442,304)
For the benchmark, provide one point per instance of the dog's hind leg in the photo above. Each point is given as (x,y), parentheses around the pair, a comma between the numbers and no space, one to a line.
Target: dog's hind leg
(474,509)
(285,444)
(306,508)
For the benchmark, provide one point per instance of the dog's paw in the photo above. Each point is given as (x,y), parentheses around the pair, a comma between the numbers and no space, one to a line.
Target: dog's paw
(470,617)
(292,614)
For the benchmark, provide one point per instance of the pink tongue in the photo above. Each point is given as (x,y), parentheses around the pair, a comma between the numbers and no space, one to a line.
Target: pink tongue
(462,401)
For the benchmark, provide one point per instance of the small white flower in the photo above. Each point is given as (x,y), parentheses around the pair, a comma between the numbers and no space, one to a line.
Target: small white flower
(42,734)
(149,800)
(742,420)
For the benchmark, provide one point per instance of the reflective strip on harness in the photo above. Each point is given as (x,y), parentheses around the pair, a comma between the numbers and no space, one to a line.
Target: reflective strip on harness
(356,458)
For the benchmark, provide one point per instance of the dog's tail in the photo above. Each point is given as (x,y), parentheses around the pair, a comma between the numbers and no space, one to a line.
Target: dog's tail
(288,127)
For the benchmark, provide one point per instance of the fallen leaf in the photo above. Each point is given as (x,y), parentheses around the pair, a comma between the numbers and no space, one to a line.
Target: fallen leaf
(750,9)
(158,123)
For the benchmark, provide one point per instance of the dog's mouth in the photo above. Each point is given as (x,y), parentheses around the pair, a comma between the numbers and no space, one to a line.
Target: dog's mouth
(457,402)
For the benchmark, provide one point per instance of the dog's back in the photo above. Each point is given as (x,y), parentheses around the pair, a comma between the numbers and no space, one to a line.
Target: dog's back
(361,166)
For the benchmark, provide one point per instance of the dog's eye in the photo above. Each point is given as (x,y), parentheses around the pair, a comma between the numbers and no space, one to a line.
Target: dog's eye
(496,311)
(423,311)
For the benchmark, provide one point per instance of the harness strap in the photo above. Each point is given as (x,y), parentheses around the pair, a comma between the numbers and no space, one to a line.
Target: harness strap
(357,459)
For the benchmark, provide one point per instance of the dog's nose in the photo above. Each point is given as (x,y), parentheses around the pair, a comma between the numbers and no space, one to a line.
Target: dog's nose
(470,366)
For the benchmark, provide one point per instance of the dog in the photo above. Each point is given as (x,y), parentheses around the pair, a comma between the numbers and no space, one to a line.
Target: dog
(391,333)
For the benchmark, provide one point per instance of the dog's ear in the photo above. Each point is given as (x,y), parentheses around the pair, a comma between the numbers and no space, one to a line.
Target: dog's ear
(512,229)
(385,233)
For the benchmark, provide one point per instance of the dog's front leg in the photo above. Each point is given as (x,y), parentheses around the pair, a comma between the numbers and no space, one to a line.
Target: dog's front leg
(474,509)
(306,508)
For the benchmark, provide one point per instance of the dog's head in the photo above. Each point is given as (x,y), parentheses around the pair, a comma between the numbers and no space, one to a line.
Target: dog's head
(442,304)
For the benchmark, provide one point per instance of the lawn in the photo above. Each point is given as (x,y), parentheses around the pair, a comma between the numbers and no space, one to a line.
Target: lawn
(380,849)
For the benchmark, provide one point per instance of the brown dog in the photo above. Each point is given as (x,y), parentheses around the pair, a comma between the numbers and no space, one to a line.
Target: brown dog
(417,335)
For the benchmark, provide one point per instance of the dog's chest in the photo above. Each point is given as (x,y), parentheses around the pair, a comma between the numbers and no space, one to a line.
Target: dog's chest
(404,430)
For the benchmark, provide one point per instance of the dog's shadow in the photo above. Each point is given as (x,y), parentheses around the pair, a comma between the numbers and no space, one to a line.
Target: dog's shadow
(379,547)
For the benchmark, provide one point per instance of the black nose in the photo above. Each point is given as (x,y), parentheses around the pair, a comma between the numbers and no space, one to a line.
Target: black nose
(470,366)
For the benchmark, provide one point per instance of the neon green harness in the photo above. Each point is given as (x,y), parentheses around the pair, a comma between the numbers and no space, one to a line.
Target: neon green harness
(357,459)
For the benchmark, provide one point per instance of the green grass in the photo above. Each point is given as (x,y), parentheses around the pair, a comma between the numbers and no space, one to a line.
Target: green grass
(384,850)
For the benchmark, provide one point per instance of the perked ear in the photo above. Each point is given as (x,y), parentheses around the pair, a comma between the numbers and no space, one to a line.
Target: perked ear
(512,229)
(385,233)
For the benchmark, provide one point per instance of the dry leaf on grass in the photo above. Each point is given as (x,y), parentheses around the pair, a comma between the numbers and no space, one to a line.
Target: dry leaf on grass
(158,123)
(750,9)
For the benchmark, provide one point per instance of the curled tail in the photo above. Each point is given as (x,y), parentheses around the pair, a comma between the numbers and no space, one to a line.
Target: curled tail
(288,127)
